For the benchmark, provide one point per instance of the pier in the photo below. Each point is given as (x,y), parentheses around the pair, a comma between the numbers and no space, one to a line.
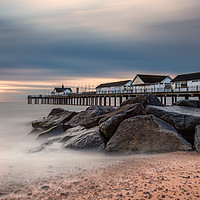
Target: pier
(112,99)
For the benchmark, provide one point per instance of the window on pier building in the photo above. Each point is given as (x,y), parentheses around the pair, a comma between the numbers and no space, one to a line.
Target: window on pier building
(168,85)
(178,85)
(184,84)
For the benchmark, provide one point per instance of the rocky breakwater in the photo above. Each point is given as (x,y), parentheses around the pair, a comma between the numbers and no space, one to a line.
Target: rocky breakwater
(69,128)
(140,125)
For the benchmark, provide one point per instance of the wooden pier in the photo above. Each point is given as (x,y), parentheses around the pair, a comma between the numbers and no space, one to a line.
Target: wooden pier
(109,99)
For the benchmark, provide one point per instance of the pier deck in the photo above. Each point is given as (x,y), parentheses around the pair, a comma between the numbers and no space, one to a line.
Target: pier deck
(109,99)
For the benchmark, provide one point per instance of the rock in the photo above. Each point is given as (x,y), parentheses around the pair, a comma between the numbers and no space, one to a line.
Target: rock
(54,131)
(70,133)
(56,111)
(115,112)
(64,194)
(146,134)
(45,187)
(197,139)
(184,119)
(188,103)
(108,128)
(4,193)
(146,99)
(92,122)
(74,138)
(89,113)
(56,116)
(85,139)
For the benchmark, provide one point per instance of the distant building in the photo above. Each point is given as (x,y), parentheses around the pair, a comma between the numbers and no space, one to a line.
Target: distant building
(61,91)
(187,82)
(151,83)
(114,87)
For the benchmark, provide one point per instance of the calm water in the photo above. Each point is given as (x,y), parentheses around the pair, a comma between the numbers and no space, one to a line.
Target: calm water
(17,164)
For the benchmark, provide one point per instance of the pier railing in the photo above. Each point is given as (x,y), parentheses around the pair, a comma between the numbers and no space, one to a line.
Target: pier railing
(151,90)
(128,91)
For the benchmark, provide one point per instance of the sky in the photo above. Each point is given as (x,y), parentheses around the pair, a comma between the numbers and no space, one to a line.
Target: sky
(85,42)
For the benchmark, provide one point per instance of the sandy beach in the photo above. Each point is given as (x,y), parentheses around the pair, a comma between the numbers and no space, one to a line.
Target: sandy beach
(160,176)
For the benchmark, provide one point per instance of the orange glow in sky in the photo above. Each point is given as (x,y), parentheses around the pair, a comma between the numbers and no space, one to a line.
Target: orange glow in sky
(38,87)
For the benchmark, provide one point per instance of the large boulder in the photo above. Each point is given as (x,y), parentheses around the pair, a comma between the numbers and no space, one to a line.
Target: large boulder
(117,111)
(92,122)
(146,134)
(146,99)
(108,128)
(197,139)
(56,116)
(184,119)
(86,139)
(89,113)
(188,103)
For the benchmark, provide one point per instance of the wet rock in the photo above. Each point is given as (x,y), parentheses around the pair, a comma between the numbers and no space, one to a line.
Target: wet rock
(92,122)
(108,128)
(54,131)
(146,99)
(4,193)
(45,187)
(146,134)
(197,139)
(70,133)
(56,116)
(64,194)
(184,119)
(56,111)
(75,138)
(85,139)
(89,113)
(117,111)
(188,103)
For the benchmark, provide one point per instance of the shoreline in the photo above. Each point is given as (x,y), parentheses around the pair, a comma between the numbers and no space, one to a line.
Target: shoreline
(158,176)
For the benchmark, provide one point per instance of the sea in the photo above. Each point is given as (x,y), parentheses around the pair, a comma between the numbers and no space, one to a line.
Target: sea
(18,165)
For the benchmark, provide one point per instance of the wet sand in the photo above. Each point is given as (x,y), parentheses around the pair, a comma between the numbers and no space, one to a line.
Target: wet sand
(161,176)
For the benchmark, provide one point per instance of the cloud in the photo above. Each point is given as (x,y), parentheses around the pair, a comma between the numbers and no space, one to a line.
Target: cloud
(109,40)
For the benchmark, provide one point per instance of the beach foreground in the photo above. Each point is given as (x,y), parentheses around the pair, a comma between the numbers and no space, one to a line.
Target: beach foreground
(159,176)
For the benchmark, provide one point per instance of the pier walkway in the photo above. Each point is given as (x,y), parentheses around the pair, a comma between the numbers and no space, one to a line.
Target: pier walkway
(113,98)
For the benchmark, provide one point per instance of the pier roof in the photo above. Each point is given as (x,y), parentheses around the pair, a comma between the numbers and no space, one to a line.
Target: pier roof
(187,77)
(113,84)
(62,89)
(151,78)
